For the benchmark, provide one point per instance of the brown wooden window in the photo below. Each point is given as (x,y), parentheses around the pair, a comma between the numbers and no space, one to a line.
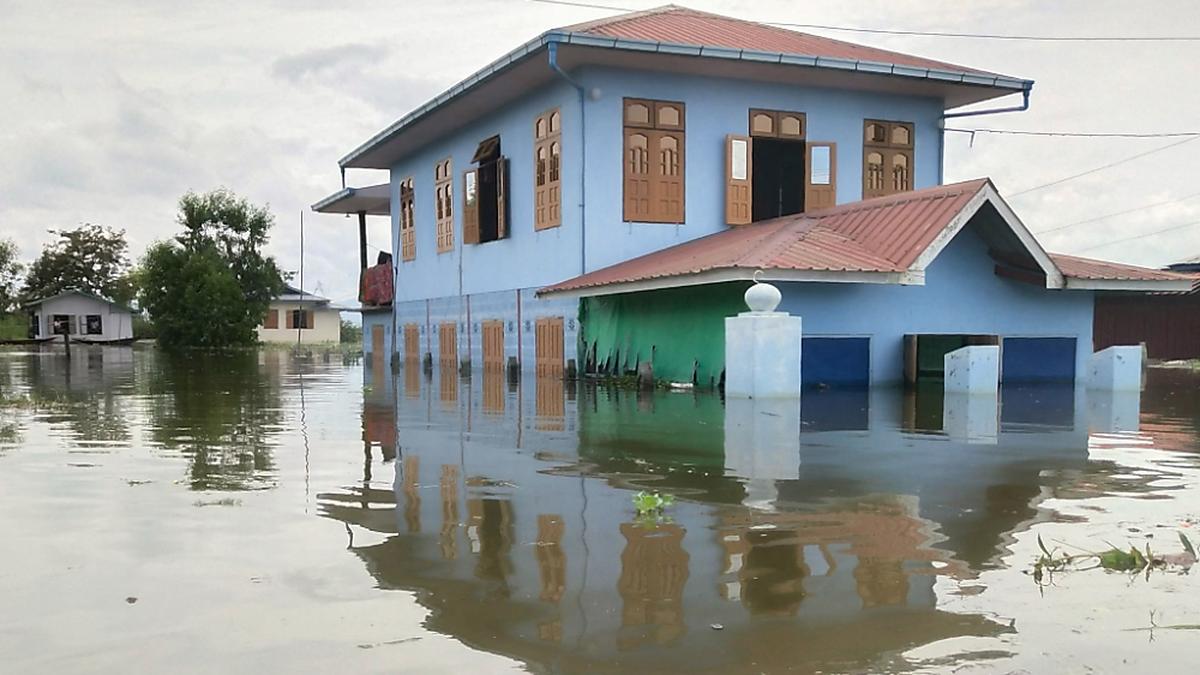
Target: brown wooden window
(774,171)
(271,320)
(408,230)
(777,124)
(548,346)
(412,343)
(299,318)
(485,195)
(547,170)
(887,158)
(443,182)
(653,161)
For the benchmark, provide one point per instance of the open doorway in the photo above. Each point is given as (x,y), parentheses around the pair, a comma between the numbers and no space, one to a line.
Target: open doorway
(778,185)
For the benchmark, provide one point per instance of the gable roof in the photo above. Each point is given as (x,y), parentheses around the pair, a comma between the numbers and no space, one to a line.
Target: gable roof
(673,24)
(84,294)
(889,240)
(678,39)
(293,294)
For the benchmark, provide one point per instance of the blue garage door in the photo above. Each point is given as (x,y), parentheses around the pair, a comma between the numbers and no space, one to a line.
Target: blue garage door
(1038,360)
(835,362)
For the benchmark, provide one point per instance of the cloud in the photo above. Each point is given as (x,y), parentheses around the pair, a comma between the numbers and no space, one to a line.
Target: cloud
(325,62)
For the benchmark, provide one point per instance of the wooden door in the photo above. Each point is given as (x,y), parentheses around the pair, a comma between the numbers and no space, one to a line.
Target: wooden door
(493,345)
(448,344)
(377,342)
(820,173)
(548,346)
(412,343)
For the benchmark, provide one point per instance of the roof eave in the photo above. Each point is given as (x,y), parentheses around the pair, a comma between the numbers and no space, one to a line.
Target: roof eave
(1004,84)
(1139,285)
(728,274)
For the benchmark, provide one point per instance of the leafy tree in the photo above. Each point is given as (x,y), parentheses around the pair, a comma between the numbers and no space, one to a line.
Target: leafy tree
(212,285)
(89,258)
(350,332)
(10,272)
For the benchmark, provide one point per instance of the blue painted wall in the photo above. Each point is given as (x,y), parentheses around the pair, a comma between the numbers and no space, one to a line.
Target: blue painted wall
(961,294)
(714,107)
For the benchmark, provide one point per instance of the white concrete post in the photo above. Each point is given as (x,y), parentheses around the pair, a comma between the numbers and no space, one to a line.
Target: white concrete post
(973,370)
(1116,369)
(762,348)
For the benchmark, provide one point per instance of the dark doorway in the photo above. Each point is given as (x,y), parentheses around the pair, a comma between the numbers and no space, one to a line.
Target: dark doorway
(778,185)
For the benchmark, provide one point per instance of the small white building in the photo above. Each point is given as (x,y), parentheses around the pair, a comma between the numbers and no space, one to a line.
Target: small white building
(83,316)
(297,315)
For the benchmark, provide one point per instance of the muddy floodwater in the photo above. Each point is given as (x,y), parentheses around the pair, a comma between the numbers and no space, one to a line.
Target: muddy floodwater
(261,513)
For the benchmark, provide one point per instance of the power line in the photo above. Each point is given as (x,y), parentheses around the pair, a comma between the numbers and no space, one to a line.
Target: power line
(1080,134)
(1119,213)
(918,33)
(1141,236)
(1110,165)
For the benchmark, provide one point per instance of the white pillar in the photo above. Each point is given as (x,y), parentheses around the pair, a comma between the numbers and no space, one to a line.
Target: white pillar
(973,370)
(762,348)
(1116,369)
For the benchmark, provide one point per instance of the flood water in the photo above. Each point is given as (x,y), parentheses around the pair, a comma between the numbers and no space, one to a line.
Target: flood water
(262,513)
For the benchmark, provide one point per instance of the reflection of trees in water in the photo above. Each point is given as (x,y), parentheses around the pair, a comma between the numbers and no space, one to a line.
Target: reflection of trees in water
(221,412)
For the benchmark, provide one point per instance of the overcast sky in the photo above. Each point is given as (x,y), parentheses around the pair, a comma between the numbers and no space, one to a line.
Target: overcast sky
(113,110)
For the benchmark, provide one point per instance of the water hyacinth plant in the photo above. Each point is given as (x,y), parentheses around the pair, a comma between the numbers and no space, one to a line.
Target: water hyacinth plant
(652,503)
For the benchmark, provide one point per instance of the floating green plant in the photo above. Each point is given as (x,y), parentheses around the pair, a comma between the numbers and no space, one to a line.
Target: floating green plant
(652,503)
(1114,559)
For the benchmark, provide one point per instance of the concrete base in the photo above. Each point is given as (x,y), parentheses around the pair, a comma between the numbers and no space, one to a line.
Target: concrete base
(762,445)
(1116,369)
(973,418)
(762,355)
(973,370)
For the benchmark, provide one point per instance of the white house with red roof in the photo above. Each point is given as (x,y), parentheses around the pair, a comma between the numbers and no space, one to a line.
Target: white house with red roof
(599,197)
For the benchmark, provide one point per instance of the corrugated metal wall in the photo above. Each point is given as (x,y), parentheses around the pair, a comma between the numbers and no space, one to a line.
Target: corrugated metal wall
(1168,324)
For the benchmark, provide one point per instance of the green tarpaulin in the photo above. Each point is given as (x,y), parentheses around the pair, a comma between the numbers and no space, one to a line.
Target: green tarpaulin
(681,331)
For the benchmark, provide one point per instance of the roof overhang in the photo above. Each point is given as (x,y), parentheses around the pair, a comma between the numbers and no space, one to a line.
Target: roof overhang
(724,275)
(373,200)
(1136,285)
(526,68)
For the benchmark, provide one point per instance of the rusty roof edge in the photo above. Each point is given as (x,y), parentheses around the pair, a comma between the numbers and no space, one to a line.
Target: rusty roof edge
(560,36)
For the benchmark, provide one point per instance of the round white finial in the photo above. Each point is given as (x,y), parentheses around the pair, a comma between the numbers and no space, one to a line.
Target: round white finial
(762,297)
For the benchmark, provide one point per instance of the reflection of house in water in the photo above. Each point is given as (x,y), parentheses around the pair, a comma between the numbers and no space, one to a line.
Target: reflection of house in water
(821,547)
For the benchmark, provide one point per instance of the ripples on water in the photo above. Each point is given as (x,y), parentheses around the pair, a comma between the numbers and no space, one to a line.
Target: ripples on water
(261,511)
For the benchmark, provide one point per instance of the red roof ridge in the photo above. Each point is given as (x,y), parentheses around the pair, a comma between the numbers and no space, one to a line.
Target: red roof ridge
(733,34)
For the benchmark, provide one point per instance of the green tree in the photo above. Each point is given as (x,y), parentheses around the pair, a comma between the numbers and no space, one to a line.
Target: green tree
(212,285)
(10,273)
(350,332)
(89,258)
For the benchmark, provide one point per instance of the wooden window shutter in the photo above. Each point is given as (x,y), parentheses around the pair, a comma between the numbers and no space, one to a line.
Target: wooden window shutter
(738,177)
(502,198)
(668,170)
(291,319)
(471,206)
(820,176)
(637,175)
(310,318)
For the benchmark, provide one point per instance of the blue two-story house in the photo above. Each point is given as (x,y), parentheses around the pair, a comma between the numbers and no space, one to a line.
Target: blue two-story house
(546,210)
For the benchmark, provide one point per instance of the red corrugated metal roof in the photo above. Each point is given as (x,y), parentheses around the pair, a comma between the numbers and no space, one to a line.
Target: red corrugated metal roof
(886,235)
(681,25)
(1102,270)
(882,235)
